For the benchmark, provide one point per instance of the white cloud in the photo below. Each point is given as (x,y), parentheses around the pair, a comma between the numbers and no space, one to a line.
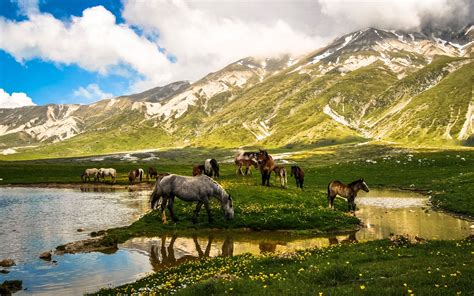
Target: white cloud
(27,7)
(91,93)
(204,41)
(395,14)
(205,36)
(14,100)
(93,41)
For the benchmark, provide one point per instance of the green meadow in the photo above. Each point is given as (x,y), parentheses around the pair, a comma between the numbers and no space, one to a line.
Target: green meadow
(433,268)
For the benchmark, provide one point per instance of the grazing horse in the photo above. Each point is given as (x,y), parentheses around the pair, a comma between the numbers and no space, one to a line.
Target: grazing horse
(151,173)
(133,175)
(199,189)
(211,168)
(266,165)
(198,169)
(88,173)
(280,172)
(347,191)
(248,159)
(299,175)
(109,172)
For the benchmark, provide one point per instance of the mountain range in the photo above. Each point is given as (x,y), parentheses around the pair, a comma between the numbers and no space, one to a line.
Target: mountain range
(405,87)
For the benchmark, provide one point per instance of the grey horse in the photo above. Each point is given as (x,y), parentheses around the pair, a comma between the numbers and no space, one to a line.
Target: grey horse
(199,189)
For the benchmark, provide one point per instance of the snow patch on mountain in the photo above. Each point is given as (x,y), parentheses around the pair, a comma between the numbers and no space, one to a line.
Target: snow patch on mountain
(468,126)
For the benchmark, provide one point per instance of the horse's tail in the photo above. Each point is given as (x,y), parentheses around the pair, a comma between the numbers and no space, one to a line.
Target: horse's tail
(329,189)
(155,198)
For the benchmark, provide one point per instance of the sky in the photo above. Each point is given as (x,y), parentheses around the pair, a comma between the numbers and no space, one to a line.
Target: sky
(81,51)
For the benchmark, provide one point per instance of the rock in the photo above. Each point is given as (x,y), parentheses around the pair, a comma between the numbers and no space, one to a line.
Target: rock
(7,263)
(10,287)
(4,271)
(80,229)
(46,255)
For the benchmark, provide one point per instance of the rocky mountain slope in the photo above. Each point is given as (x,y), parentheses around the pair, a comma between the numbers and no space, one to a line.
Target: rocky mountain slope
(371,84)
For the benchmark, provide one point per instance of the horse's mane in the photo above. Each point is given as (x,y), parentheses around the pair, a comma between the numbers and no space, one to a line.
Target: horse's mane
(355,182)
(219,186)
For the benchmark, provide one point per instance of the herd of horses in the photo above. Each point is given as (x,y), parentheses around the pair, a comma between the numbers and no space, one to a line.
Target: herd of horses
(201,187)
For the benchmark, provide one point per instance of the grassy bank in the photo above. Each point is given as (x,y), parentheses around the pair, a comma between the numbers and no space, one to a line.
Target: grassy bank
(444,175)
(374,268)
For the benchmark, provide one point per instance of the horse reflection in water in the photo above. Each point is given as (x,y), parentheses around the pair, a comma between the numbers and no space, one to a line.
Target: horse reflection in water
(96,189)
(162,256)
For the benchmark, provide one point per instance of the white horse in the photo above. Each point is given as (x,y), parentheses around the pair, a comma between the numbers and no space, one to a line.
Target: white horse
(200,189)
(109,172)
(88,173)
(140,173)
(211,168)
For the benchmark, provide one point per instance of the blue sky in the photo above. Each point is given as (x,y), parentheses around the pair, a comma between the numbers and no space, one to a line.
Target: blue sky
(81,51)
(48,82)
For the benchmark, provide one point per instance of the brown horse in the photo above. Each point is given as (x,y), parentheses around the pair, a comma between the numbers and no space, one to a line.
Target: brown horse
(133,175)
(280,172)
(151,173)
(299,175)
(348,191)
(247,159)
(266,165)
(198,170)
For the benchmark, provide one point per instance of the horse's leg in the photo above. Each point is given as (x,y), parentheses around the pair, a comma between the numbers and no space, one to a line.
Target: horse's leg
(269,173)
(163,207)
(170,208)
(264,177)
(196,211)
(208,210)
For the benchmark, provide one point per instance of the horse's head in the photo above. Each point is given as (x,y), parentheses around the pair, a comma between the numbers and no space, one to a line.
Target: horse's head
(363,185)
(262,156)
(228,207)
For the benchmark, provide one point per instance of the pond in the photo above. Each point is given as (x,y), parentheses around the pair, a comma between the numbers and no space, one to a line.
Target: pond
(40,219)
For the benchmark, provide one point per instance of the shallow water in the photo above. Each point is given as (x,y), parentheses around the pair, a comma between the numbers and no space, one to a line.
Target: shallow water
(34,220)
(45,218)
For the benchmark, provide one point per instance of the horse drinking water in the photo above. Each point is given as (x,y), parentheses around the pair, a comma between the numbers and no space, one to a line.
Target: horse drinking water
(199,189)
(347,191)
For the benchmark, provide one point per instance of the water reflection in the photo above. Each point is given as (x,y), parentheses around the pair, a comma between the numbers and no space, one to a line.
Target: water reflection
(97,189)
(171,250)
(36,219)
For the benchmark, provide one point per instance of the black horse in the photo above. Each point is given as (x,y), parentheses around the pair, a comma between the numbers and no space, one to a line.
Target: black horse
(299,175)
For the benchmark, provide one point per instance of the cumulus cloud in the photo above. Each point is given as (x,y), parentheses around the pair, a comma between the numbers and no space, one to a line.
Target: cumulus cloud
(91,93)
(14,100)
(93,41)
(204,41)
(396,14)
(205,36)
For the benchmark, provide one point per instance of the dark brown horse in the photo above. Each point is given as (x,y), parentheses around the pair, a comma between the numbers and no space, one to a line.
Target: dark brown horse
(133,175)
(348,191)
(151,173)
(198,170)
(266,165)
(247,159)
(299,175)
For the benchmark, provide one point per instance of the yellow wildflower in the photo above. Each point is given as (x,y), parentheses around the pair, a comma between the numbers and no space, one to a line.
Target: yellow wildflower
(362,287)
